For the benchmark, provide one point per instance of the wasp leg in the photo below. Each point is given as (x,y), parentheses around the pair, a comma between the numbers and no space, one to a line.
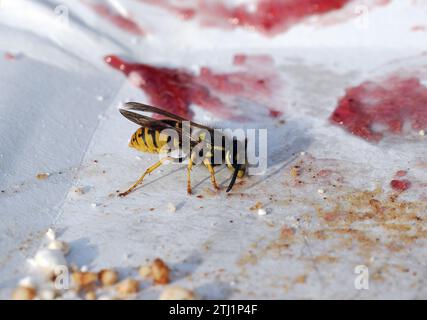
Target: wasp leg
(190,166)
(212,172)
(148,171)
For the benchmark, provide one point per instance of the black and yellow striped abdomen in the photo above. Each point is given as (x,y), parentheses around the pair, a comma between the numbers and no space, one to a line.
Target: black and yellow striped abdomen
(147,140)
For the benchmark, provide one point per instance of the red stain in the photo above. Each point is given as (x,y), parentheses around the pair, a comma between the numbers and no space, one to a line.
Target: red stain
(400,185)
(177,89)
(374,108)
(324,173)
(267,16)
(9,56)
(120,21)
(418,28)
(274,113)
(401,173)
(252,60)
(331,216)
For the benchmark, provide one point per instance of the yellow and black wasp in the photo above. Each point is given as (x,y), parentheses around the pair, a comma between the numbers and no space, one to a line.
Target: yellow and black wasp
(150,137)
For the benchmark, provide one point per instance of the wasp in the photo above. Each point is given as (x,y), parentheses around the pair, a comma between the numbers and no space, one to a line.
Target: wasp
(150,137)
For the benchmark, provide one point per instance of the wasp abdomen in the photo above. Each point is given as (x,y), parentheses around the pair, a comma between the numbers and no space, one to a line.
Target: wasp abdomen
(146,140)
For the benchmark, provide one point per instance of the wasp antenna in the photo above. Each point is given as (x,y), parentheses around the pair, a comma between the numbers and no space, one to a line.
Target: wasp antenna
(233,179)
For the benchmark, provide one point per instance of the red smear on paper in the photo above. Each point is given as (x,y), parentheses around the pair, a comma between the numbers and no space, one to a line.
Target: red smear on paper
(267,16)
(401,173)
(176,90)
(120,21)
(400,185)
(419,28)
(374,108)
(324,173)
(9,56)
(274,113)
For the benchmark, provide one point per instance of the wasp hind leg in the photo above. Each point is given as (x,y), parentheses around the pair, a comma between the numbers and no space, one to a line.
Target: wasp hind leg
(212,173)
(148,171)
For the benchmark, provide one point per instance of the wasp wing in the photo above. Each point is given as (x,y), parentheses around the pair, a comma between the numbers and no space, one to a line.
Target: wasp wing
(155,124)
(147,108)
(146,122)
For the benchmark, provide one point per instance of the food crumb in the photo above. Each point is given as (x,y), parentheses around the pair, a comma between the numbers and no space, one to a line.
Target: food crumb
(84,280)
(177,293)
(127,287)
(50,234)
(47,260)
(320,191)
(301,279)
(171,207)
(108,277)
(262,212)
(59,245)
(47,294)
(42,176)
(90,295)
(24,293)
(286,232)
(26,282)
(258,205)
(160,272)
(295,171)
(145,271)
(422,133)
(79,190)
